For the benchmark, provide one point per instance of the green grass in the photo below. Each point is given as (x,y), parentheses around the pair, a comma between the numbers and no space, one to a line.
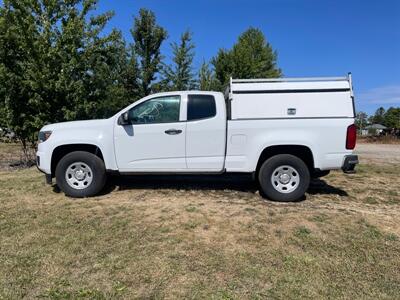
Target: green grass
(200,243)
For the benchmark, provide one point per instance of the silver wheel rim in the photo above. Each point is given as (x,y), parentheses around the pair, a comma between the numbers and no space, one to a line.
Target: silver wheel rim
(285,179)
(79,175)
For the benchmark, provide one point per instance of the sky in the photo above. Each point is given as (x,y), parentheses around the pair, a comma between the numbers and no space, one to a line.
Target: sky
(312,37)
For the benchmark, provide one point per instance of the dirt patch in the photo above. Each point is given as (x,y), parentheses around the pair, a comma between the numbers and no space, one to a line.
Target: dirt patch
(12,158)
(389,139)
(379,153)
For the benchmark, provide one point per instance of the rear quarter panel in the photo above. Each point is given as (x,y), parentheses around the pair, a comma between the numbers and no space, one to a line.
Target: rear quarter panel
(326,138)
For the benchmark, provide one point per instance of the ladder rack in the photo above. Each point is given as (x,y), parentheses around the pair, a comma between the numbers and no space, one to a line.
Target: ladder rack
(292,79)
(288,80)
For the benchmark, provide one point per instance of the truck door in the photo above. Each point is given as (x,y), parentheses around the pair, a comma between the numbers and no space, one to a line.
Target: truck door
(205,133)
(155,139)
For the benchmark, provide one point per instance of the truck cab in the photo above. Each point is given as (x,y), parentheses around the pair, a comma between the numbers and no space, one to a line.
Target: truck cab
(178,132)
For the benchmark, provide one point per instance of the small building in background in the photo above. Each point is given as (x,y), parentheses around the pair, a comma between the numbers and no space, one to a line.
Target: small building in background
(374,129)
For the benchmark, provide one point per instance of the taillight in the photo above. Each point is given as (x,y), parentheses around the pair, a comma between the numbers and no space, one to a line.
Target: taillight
(351,137)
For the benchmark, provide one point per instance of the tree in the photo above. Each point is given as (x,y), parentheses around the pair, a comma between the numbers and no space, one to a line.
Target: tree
(148,37)
(206,79)
(179,76)
(251,57)
(132,84)
(379,116)
(392,117)
(361,120)
(56,65)
(224,67)
(104,80)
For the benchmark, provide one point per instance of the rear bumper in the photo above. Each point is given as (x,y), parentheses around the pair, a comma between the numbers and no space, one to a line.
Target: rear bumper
(350,161)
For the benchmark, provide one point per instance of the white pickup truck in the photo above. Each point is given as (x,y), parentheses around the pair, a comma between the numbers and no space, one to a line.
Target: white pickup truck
(283,131)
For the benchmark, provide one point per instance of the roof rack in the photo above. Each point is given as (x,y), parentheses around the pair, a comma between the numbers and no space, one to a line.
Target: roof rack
(289,79)
(293,79)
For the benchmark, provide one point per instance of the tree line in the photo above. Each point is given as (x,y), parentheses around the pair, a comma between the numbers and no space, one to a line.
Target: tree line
(58,64)
(389,118)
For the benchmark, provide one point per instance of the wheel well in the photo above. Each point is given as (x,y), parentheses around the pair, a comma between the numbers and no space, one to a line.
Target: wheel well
(302,152)
(63,150)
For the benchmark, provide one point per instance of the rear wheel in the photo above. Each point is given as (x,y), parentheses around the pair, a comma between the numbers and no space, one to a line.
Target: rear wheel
(80,174)
(284,177)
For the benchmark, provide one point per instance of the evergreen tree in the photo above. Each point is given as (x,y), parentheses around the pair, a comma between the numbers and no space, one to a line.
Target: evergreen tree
(207,81)
(179,76)
(148,37)
(224,66)
(251,57)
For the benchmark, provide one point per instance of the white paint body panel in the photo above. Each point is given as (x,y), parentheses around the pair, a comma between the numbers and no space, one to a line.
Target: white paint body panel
(305,99)
(93,132)
(206,140)
(307,105)
(147,147)
(325,138)
(259,120)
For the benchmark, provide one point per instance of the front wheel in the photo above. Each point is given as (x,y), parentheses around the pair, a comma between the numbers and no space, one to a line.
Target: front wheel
(284,177)
(80,174)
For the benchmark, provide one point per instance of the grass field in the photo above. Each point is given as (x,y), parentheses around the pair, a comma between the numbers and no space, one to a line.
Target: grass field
(212,237)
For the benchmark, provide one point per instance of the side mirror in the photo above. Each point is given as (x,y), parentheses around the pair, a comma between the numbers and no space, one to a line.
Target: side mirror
(124,119)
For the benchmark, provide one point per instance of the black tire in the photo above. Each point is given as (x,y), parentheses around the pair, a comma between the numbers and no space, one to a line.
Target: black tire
(97,174)
(281,161)
(319,174)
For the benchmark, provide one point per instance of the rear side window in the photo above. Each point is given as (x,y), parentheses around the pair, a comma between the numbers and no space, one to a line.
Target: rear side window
(201,107)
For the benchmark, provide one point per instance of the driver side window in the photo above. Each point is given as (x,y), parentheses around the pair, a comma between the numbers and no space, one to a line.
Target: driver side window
(157,110)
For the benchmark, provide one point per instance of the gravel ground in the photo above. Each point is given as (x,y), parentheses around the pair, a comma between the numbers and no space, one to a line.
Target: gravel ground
(379,153)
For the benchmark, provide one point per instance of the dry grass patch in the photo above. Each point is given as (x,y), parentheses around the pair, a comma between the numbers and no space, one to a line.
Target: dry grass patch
(10,153)
(201,238)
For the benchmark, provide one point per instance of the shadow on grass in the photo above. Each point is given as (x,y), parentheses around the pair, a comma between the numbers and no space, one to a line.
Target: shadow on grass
(233,182)
(239,182)
(321,187)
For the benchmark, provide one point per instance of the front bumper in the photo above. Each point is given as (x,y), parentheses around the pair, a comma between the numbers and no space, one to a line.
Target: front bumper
(48,177)
(43,159)
(350,162)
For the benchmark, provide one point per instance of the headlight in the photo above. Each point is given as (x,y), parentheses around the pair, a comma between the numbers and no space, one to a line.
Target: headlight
(43,136)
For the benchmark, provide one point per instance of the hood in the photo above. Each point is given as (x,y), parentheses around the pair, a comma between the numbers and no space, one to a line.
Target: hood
(75,124)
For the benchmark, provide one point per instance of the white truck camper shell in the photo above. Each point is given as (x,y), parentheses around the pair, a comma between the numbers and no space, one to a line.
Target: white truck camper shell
(288,98)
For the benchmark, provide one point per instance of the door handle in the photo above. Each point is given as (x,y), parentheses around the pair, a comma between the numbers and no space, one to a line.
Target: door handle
(173,131)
